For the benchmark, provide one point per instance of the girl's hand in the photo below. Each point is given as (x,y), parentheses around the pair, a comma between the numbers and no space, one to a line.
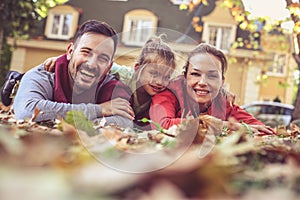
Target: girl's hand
(49,64)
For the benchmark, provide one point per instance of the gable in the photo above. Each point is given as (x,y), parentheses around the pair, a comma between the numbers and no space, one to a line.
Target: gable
(62,22)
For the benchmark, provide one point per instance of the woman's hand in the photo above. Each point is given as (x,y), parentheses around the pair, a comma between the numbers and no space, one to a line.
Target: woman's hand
(49,64)
(261,130)
(117,106)
(233,125)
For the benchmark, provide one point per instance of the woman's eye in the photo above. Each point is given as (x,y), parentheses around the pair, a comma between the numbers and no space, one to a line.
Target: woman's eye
(195,74)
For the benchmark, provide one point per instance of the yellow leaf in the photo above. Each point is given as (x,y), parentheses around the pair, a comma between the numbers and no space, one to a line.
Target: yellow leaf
(199,29)
(183,7)
(196,19)
(243,25)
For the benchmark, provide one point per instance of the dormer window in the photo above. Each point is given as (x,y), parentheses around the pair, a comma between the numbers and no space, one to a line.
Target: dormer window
(178,2)
(62,22)
(139,26)
(219,30)
(219,35)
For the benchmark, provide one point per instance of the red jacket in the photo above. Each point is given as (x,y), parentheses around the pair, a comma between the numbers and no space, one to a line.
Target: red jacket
(173,104)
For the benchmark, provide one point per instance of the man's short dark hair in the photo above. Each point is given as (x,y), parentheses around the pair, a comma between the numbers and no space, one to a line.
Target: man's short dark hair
(97,27)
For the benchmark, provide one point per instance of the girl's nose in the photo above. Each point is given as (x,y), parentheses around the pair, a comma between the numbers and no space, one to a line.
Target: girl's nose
(160,80)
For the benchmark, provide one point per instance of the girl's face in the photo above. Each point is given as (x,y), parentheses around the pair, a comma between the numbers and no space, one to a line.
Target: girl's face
(154,77)
(204,78)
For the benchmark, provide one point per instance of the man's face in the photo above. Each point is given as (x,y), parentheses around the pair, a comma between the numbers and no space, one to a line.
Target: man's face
(90,60)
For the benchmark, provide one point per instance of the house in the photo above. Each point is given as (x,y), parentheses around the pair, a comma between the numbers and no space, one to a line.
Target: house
(252,75)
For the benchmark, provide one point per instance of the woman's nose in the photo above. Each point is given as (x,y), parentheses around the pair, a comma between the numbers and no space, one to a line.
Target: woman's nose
(202,80)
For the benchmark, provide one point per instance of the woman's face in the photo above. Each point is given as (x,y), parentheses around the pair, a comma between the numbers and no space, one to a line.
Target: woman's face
(204,77)
(154,77)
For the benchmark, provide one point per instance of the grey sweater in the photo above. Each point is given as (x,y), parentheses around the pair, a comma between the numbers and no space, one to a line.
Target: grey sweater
(36,92)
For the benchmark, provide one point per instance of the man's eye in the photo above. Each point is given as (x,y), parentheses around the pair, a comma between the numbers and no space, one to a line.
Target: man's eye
(85,52)
(103,59)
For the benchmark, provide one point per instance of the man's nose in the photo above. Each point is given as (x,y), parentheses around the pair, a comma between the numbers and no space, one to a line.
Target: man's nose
(92,61)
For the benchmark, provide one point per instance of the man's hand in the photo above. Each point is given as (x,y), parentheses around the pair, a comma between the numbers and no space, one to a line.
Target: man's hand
(49,64)
(117,106)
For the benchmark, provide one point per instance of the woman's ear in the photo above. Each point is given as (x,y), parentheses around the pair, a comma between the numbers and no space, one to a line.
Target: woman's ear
(70,50)
(185,70)
(136,66)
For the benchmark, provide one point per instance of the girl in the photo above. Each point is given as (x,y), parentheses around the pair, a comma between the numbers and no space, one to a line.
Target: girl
(150,76)
(200,92)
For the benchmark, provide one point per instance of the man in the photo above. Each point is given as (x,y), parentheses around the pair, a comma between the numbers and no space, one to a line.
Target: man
(80,82)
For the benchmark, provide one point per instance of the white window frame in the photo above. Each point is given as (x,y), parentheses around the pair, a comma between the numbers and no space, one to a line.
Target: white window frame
(139,26)
(61,18)
(220,26)
(278,66)
(178,2)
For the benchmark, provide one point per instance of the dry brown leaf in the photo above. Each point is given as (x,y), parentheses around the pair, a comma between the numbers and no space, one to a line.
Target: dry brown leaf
(35,114)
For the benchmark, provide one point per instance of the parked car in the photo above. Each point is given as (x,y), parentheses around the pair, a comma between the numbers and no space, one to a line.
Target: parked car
(271,113)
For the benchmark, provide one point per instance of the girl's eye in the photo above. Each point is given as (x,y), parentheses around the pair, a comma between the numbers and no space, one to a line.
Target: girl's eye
(213,76)
(154,73)
(166,78)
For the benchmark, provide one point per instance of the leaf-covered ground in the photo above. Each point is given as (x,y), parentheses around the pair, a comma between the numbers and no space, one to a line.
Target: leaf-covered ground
(59,161)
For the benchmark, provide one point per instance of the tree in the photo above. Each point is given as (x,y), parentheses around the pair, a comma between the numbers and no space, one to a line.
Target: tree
(251,24)
(19,19)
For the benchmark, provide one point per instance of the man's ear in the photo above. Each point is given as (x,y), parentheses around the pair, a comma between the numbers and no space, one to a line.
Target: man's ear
(70,50)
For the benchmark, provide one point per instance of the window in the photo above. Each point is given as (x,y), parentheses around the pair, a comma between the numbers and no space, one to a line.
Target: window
(277,67)
(139,25)
(178,2)
(61,22)
(219,35)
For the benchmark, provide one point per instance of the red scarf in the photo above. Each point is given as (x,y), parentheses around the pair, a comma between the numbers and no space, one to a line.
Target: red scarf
(62,89)
(107,89)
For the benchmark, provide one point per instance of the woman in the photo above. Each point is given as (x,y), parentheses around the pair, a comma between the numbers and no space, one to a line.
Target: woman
(200,92)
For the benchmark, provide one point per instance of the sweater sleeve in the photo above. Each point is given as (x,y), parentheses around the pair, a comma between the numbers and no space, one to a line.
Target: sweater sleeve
(122,72)
(113,89)
(243,116)
(36,92)
(165,109)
